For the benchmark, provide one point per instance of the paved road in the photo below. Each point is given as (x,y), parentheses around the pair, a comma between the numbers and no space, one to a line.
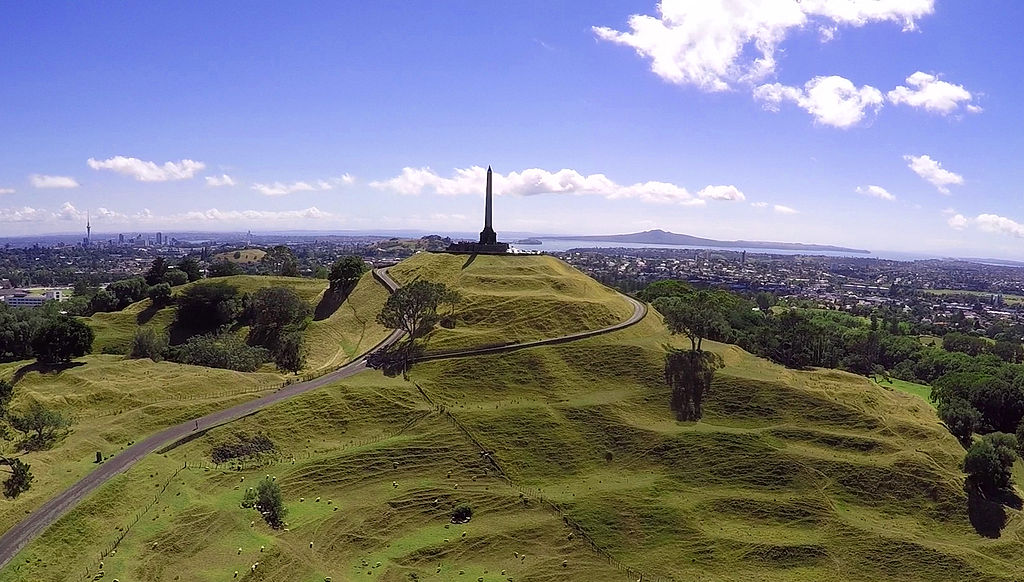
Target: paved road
(25,531)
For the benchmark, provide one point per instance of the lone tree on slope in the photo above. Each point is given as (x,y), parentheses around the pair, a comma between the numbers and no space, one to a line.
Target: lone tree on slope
(413,309)
(689,372)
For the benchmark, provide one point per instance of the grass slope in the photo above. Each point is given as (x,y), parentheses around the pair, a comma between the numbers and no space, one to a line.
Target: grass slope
(245,256)
(513,299)
(816,475)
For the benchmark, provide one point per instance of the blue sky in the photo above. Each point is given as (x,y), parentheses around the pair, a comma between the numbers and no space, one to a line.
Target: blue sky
(884,124)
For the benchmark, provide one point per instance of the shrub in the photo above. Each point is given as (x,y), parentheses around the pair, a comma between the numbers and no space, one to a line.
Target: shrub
(175,277)
(40,424)
(209,306)
(241,446)
(225,350)
(160,294)
(223,268)
(960,418)
(462,514)
(148,343)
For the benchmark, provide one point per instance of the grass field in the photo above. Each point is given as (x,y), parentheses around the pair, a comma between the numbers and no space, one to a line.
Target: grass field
(923,391)
(1009,299)
(790,476)
(242,257)
(513,299)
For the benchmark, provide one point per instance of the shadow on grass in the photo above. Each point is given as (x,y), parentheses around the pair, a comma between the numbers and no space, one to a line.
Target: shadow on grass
(987,508)
(147,314)
(331,301)
(469,261)
(43,369)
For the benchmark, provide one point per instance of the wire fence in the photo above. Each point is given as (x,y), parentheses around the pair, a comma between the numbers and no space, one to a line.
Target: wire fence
(632,573)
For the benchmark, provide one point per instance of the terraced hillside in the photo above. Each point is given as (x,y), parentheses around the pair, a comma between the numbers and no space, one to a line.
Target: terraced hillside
(513,299)
(116,401)
(575,470)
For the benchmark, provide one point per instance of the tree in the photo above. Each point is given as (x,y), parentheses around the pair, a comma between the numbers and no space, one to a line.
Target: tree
(290,354)
(346,271)
(223,268)
(160,294)
(697,316)
(765,301)
(280,260)
(19,479)
(148,343)
(1020,440)
(156,271)
(960,418)
(689,373)
(209,305)
(272,310)
(989,461)
(60,339)
(128,291)
(190,266)
(6,395)
(270,503)
(413,307)
(39,423)
(175,277)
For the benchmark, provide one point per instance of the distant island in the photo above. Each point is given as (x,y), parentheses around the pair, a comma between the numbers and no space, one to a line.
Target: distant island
(662,237)
(529,241)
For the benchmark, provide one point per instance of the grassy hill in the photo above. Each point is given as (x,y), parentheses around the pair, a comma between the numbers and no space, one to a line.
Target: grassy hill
(790,476)
(242,257)
(513,299)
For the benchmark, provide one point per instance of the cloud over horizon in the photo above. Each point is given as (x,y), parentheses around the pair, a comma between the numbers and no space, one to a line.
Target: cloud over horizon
(144,171)
(535,181)
(44,181)
(875,192)
(932,172)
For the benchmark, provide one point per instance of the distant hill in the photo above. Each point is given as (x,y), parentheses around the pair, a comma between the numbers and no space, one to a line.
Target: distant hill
(662,237)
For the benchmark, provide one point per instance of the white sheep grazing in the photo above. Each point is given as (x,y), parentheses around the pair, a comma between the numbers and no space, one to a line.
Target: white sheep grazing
(239,551)
(252,523)
(301,499)
(311,545)
(262,548)
(394,484)
(318,500)
(236,574)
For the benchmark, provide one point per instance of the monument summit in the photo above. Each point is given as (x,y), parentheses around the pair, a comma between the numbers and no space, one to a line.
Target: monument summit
(488,244)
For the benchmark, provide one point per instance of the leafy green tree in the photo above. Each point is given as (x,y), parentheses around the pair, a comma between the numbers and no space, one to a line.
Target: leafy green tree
(697,316)
(103,301)
(39,423)
(175,277)
(270,502)
(209,305)
(225,350)
(156,271)
(19,477)
(272,311)
(413,307)
(346,271)
(960,418)
(223,268)
(148,343)
(61,339)
(160,294)
(765,301)
(280,260)
(989,461)
(190,266)
(689,373)
(290,354)
(665,288)
(128,291)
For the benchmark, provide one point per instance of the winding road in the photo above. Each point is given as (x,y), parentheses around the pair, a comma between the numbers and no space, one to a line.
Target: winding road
(14,539)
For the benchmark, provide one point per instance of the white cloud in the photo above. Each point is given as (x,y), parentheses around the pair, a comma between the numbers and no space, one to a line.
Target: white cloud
(144,171)
(215,215)
(7,190)
(536,181)
(712,44)
(875,191)
(218,181)
(347,178)
(957,222)
(729,192)
(999,224)
(759,204)
(833,101)
(282,189)
(780,209)
(24,214)
(933,172)
(44,181)
(69,212)
(929,93)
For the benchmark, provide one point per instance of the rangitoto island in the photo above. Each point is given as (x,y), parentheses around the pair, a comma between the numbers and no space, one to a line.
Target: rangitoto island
(662,237)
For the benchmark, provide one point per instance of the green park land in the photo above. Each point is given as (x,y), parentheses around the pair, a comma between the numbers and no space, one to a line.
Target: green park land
(569,456)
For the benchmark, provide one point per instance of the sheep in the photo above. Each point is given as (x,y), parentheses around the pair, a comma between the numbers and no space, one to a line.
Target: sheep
(565,563)
(301,499)
(236,574)
(262,548)
(317,500)
(311,544)
(394,484)
(239,551)
(252,523)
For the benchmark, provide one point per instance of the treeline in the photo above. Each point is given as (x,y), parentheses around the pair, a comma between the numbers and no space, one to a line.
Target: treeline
(43,333)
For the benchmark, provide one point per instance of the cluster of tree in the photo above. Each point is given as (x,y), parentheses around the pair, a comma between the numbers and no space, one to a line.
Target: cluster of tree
(242,445)
(39,426)
(43,333)
(277,316)
(156,283)
(219,350)
(989,460)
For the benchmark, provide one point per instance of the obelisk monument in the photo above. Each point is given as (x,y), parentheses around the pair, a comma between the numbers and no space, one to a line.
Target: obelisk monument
(487,235)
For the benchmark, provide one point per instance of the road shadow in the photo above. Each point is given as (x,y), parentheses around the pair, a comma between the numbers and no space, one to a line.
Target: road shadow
(43,369)
(332,300)
(987,508)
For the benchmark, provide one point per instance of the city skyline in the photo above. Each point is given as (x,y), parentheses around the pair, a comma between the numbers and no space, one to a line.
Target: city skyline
(887,125)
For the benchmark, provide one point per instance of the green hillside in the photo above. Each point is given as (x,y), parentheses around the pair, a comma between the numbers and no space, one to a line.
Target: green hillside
(513,299)
(790,476)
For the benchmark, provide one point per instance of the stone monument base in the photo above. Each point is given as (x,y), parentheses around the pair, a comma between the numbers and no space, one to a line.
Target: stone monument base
(471,248)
